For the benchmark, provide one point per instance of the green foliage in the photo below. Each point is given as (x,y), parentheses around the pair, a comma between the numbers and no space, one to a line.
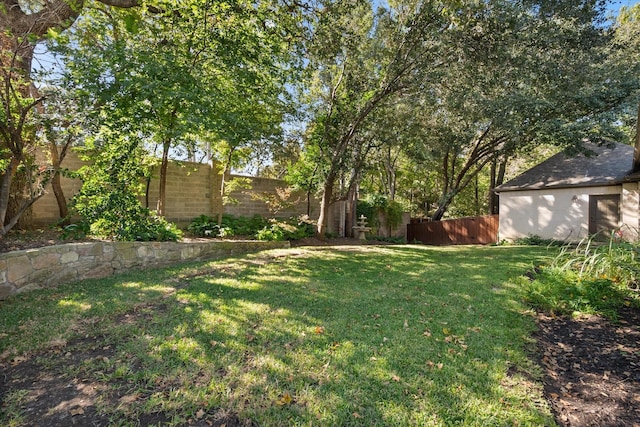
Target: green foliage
(243,225)
(617,260)
(204,225)
(587,278)
(376,204)
(109,198)
(558,291)
(291,229)
(535,240)
(397,240)
(256,226)
(76,231)
(140,225)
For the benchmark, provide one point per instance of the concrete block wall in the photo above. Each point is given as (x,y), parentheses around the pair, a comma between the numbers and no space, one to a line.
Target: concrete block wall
(192,189)
(250,203)
(45,210)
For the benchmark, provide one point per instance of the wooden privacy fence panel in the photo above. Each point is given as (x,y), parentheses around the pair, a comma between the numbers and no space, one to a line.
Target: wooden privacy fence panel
(481,230)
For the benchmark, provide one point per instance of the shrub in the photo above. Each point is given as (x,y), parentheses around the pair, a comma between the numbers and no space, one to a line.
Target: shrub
(375,204)
(291,229)
(562,292)
(590,278)
(535,240)
(142,227)
(204,225)
(242,225)
(108,200)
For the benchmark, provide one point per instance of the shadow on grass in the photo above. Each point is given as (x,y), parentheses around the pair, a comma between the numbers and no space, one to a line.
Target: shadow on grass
(402,335)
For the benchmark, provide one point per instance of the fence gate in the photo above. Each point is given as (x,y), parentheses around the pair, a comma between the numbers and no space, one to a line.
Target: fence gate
(481,230)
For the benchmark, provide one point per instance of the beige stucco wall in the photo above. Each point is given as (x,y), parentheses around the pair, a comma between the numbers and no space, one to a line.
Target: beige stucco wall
(561,214)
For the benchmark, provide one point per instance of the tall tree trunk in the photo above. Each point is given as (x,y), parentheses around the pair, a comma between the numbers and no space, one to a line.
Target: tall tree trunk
(5,192)
(162,193)
(636,151)
(443,205)
(498,170)
(325,203)
(350,217)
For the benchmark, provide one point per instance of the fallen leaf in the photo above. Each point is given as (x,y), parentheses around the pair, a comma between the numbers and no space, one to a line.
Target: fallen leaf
(77,411)
(427,333)
(356,415)
(200,414)
(440,365)
(406,323)
(395,378)
(286,399)
(319,330)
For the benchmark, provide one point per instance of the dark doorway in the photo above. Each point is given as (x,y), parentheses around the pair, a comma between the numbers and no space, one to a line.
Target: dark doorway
(604,213)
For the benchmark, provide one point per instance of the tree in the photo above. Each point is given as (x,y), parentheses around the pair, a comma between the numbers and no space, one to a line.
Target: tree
(627,39)
(189,75)
(360,60)
(22,25)
(524,74)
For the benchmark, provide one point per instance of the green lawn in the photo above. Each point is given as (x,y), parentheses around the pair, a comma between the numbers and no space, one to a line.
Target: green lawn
(392,335)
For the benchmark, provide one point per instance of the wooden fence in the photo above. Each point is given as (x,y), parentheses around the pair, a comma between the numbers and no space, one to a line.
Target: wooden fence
(479,230)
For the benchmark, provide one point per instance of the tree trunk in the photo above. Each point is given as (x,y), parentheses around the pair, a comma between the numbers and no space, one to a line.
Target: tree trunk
(497,178)
(442,207)
(162,193)
(5,192)
(636,151)
(56,161)
(350,217)
(327,194)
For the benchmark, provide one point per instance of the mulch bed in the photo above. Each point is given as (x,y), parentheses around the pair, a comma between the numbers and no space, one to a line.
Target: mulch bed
(592,368)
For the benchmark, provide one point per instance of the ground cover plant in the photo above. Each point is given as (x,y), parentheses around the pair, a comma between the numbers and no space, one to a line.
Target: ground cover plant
(352,335)
(591,277)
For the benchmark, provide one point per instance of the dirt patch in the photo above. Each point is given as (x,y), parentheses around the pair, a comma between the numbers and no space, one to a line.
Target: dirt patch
(58,389)
(592,369)
(18,240)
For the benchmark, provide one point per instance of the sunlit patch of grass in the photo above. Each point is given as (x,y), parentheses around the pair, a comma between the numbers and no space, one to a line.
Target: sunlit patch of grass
(402,335)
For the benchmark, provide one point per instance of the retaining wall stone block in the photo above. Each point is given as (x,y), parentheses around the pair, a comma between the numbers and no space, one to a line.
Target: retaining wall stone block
(69,257)
(22,271)
(19,268)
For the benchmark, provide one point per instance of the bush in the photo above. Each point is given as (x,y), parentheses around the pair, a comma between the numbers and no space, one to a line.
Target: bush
(589,278)
(256,226)
(242,225)
(562,292)
(291,229)
(375,204)
(204,225)
(142,227)
(108,201)
(535,240)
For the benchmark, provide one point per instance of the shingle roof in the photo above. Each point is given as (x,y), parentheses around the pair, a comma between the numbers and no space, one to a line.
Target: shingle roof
(610,165)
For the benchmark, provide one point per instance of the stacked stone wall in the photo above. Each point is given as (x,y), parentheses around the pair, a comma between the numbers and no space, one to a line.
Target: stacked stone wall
(22,271)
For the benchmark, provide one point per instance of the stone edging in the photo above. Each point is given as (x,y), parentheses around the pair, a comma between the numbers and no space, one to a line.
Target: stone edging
(22,271)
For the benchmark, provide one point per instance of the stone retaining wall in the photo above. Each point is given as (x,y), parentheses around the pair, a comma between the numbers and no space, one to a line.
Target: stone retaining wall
(22,271)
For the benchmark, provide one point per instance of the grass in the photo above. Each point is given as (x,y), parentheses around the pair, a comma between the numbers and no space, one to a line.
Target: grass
(591,277)
(351,336)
